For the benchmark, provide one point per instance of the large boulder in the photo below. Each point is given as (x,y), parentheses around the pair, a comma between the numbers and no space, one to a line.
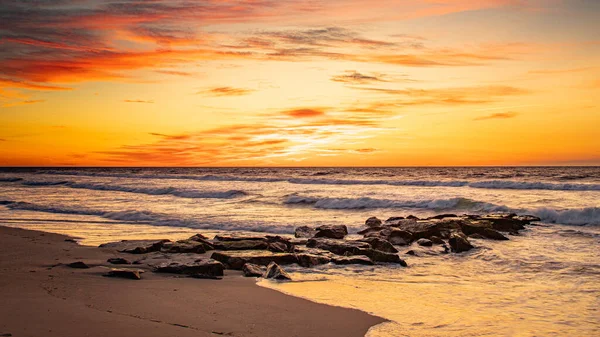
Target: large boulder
(459,242)
(274,271)
(236,259)
(373,222)
(241,245)
(339,247)
(136,246)
(331,231)
(207,267)
(380,244)
(305,232)
(183,246)
(253,270)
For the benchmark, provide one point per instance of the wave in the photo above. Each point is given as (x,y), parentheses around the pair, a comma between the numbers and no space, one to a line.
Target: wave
(182,193)
(576,216)
(155,219)
(44,183)
(10,180)
(485,184)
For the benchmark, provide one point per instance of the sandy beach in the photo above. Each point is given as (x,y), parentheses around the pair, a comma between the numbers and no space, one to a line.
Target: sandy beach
(40,296)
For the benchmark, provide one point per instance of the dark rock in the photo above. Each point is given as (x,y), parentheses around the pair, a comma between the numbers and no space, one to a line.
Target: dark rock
(205,276)
(274,271)
(429,228)
(241,245)
(370,230)
(236,259)
(71,240)
(477,236)
(305,232)
(459,243)
(442,216)
(331,231)
(136,246)
(411,252)
(380,244)
(400,222)
(279,244)
(379,256)
(134,274)
(206,243)
(393,218)
(183,246)
(373,222)
(299,242)
(469,227)
(437,240)
(198,237)
(117,260)
(238,237)
(399,237)
(412,217)
(506,222)
(425,242)
(253,270)
(493,234)
(78,265)
(339,247)
(199,266)
(356,259)
(311,260)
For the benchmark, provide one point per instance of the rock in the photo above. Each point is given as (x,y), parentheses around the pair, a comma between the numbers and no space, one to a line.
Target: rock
(236,259)
(373,222)
(469,227)
(526,219)
(493,234)
(393,218)
(299,242)
(356,259)
(311,260)
(117,260)
(238,237)
(183,246)
(133,274)
(253,270)
(400,222)
(370,230)
(459,243)
(477,236)
(279,244)
(429,228)
(442,216)
(412,217)
(207,244)
(380,244)
(69,240)
(331,231)
(411,252)
(136,246)
(339,247)
(78,265)
(437,240)
(400,237)
(379,256)
(199,266)
(274,271)
(198,237)
(305,232)
(241,245)
(506,222)
(425,242)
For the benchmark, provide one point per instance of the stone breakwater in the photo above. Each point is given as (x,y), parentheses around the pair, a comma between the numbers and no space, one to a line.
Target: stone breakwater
(382,242)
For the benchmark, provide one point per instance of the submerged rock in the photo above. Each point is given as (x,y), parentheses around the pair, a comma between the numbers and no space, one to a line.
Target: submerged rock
(134,274)
(305,232)
(331,231)
(253,270)
(274,271)
(459,243)
(136,246)
(236,259)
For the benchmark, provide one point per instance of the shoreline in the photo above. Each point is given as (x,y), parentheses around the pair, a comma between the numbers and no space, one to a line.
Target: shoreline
(42,297)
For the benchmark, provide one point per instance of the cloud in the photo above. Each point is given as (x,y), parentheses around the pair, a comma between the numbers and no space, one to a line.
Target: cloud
(137,101)
(226,91)
(26,102)
(354,77)
(173,72)
(499,115)
(304,113)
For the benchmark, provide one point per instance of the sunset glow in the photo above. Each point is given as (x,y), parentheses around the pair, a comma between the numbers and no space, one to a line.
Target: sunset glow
(299,83)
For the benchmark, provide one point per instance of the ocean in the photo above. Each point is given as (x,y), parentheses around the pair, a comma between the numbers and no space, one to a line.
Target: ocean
(543,282)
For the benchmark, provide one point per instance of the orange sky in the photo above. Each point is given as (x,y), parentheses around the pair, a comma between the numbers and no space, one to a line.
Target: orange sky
(299,83)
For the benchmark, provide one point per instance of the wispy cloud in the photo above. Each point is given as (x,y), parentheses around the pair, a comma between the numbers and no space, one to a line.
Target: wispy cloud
(138,101)
(354,77)
(226,91)
(304,113)
(27,102)
(499,115)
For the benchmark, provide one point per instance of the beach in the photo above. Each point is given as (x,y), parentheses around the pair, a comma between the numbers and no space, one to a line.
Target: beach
(43,297)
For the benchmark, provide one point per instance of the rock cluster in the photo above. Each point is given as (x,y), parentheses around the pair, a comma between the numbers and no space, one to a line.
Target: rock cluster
(262,256)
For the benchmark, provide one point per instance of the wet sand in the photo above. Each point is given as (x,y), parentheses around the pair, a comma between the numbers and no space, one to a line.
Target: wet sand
(40,298)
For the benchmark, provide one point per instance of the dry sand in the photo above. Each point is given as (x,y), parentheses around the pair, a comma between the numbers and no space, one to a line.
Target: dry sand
(38,298)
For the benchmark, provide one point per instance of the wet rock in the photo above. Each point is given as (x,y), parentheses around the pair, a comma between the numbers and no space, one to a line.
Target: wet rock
(199,266)
(412,217)
(393,218)
(198,237)
(311,260)
(236,259)
(379,256)
(238,237)
(299,242)
(133,274)
(279,244)
(206,243)
(493,234)
(373,222)
(380,244)
(411,252)
(339,247)
(274,271)
(507,222)
(436,240)
(78,265)
(241,245)
(253,270)
(425,242)
(400,222)
(136,246)
(117,260)
(331,231)
(429,228)
(69,240)
(305,232)
(183,246)
(356,259)
(372,230)
(459,243)
(477,236)
(442,216)
(399,237)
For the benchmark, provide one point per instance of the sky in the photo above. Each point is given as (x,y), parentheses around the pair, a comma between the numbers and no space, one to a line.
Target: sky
(299,82)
